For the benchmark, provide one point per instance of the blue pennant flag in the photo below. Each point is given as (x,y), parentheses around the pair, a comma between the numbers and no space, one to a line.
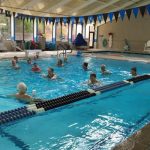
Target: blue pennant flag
(43,19)
(122,14)
(99,17)
(72,19)
(57,20)
(148,8)
(90,18)
(135,11)
(49,19)
(111,16)
(81,19)
(65,20)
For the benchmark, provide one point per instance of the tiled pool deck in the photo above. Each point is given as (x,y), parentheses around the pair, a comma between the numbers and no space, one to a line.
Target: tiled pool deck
(138,141)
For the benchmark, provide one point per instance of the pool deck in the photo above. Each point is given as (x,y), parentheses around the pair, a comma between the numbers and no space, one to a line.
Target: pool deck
(138,141)
(7,55)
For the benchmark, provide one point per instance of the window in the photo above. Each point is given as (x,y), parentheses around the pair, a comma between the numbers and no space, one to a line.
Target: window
(28,30)
(79,29)
(48,31)
(58,32)
(73,32)
(41,27)
(65,32)
(4,27)
(19,29)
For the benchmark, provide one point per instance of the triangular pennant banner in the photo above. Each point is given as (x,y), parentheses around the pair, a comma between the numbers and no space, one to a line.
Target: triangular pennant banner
(81,19)
(90,18)
(64,20)
(142,10)
(122,14)
(105,17)
(148,8)
(128,12)
(135,11)
(111,16)
(99,17)
(116,14)
(72,19)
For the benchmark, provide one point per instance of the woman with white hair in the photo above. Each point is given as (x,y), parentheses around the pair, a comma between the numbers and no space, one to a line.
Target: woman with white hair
(21,95)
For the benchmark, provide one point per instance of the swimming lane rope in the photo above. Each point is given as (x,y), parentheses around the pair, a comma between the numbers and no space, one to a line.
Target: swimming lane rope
(30,110)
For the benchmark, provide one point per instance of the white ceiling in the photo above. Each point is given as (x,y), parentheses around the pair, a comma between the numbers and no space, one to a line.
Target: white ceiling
(68,7)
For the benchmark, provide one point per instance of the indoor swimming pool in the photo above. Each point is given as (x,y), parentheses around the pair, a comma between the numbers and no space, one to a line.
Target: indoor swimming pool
(98,122)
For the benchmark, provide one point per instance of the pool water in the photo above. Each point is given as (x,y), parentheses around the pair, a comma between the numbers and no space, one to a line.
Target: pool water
(94,123)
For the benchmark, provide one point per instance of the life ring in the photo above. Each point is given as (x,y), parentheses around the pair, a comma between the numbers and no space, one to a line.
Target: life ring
(105,43)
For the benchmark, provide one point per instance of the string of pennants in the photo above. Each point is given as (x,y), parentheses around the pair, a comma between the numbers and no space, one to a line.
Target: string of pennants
(81,19)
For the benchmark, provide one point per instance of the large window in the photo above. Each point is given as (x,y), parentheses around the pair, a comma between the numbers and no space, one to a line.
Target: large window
(58,32)
(19,29)
(48,31)
(64,32)
(73,32)
(28,30)
(79,28)
(41,27)
(4,27)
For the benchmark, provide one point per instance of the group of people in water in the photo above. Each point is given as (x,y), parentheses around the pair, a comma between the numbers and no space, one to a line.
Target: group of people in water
(92,82)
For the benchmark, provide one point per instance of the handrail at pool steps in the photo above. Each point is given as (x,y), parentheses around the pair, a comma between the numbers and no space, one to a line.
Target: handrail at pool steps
(33,109)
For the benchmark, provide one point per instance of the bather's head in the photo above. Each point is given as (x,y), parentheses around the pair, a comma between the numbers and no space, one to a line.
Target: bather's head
(22,88)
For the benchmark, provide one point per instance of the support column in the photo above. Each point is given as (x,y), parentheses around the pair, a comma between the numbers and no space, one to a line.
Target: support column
(12,21)
(54,33)
(70,32)
(35,29)
(96,34)
(84,30)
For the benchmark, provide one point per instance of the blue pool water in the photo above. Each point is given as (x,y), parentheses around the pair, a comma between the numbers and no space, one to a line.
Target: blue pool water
(105,119)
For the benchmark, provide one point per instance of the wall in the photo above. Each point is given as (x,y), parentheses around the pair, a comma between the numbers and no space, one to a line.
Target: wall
(135,30)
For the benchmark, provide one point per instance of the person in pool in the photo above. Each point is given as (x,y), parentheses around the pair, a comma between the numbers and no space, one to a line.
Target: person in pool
(85,66)
(15,63)
(51,75)
(60,63)
(36,68)
(104,71)
(92,82)
(29,61)
(133,72)
(22,96)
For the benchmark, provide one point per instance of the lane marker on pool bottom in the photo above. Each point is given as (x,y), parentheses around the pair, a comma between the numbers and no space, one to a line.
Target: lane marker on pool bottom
(30,110)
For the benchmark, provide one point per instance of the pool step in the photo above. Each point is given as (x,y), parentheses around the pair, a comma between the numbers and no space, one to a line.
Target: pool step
(30,110)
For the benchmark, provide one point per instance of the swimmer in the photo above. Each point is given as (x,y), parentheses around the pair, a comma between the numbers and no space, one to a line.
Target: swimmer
(104,71)
(29,61)
(22,96)
(51,74)
(133,72)
(60,63)
(85,66)
(36,68)
(93,81)
(14,63)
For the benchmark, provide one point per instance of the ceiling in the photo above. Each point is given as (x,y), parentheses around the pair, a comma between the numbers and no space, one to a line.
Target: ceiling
(68,7)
